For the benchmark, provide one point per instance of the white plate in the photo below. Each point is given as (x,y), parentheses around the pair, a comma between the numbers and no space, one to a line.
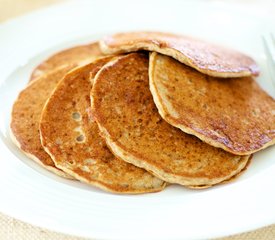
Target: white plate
(36,196)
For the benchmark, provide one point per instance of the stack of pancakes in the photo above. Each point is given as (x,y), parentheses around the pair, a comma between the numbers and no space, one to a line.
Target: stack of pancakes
(136,111)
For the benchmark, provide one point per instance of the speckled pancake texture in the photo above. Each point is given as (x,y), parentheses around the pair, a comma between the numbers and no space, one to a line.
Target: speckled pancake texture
(207,58)
(26,115)
(233,114)
(135,132)
(71,136)
(79,55)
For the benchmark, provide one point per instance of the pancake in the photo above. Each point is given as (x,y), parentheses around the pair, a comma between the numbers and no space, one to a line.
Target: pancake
(129,121)
(73,140)
(232,179)
(26,114)
(207,58)
(235,115)
(79,55)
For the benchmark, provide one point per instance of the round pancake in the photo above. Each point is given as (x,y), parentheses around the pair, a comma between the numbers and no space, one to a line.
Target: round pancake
(26,114)
(207,58)
(73,140)
(129,121)
(235,115)
(79,55)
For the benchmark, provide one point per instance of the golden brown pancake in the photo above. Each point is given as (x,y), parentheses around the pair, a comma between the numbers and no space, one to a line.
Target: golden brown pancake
(232,179)
(207,58)
(235,115)
(26,114)
(73,140)
(79,55)
(129,121)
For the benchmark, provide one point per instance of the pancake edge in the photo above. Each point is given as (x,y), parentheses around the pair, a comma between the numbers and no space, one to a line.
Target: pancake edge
(54,170)
(119,151)
(164,113)
(37,70)
(232,179)
(100,185)
(174,53)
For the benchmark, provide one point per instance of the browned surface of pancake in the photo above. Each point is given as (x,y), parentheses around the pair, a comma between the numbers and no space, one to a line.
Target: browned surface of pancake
(129,121)
(73,140)
(26,114)
(207,58)
(78,55)
(233,114)
(232,179)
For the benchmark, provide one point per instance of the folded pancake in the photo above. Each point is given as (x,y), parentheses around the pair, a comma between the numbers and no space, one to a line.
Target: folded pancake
(235,115)
(75,56)
(129,121)
(26,113)
(207,58)
(72,139)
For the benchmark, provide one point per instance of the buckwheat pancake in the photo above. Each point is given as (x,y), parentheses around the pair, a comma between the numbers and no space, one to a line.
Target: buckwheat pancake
(232,179)
(72,138)
(235,115)
(129,121)
(79,55)
(207,58)
(26,114)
